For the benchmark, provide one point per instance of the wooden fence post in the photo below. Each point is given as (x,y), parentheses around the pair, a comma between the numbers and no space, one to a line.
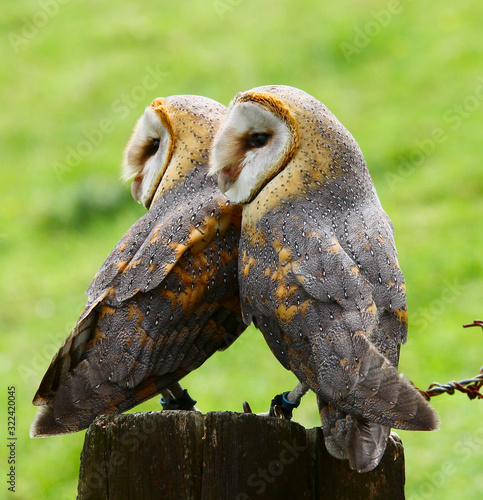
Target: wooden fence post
(222,455)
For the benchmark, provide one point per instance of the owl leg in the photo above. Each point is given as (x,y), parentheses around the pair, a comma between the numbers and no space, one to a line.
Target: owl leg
(283,404)
(177,398)
(395,440)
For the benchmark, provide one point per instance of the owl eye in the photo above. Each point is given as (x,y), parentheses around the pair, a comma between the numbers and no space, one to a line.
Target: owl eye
(258,139)
(151,148)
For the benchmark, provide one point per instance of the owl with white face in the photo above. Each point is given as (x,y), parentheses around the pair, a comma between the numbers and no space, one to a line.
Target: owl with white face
(318,268)
(166,298)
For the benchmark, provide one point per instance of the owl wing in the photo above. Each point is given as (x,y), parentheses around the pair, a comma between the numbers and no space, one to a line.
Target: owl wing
(347,297)
(316,309)
(351,373)
(145,254)
(168,301)
(144,234)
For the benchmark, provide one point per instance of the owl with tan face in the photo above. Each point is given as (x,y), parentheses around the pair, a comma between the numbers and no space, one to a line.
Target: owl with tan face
(318,268)
(166,298)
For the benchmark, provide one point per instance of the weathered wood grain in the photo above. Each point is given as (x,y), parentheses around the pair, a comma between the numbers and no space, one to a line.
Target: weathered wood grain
(182,455)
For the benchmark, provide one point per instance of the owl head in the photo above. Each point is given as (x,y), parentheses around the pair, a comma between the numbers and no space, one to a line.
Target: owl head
(172,136)
(268,129)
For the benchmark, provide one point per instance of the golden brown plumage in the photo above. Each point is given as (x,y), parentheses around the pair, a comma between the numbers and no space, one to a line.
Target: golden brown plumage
(166,298)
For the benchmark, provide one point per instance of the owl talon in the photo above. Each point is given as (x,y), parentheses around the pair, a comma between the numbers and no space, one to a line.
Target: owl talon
(281,407)
(394,440)
(183,402)
(246,407)
(279,413)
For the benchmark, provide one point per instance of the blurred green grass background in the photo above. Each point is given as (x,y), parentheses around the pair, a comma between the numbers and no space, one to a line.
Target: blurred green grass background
(406,78)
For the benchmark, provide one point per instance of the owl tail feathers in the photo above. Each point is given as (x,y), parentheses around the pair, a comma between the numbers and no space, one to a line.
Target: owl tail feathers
(365,384)
(384,396)
(336,426)
(45,424)
(84,394)
(368,444)
(361,442)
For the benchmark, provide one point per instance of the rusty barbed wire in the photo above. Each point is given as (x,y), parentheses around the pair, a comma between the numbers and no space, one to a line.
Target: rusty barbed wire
(471,386)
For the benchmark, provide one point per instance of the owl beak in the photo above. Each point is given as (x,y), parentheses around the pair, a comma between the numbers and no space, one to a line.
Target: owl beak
(143,188)
(227,177)
(136,188)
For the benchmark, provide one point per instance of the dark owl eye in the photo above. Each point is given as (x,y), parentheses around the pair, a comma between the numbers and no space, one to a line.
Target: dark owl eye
(258,139)
(152,147)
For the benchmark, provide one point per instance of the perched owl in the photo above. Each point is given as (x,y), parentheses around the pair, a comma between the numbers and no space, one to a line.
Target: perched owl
(166,298)
(318,268)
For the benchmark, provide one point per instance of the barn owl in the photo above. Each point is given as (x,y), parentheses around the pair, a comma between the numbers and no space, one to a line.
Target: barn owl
(166,298)
(318,268)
